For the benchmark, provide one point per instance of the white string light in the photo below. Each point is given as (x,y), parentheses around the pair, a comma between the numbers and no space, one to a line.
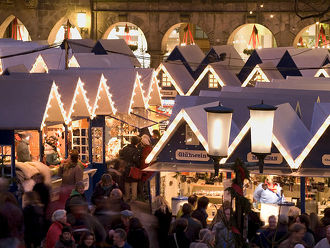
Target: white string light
(254,71)
(176,86)
(39,62)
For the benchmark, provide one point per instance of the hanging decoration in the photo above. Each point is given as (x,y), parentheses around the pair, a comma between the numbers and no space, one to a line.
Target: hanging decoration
(185,40)
(254,38)
(14,29)
(321,36)
(128,39)
(300,42)
(67,30)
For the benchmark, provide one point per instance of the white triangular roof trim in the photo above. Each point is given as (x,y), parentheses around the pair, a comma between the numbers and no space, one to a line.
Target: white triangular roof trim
(154,96)
(73,62)
(255,69)
(176,86)
(137,97)
(322,71)
(39,66)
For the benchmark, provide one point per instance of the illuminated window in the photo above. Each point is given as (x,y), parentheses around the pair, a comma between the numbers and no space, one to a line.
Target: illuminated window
(256,78)
(80,142)
(191,138)
(213,83)
(5,154)
(165,81)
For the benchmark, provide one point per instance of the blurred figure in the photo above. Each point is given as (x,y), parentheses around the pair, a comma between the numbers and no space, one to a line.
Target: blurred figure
(192,200)
(131,155)
(77,192)
(200,213)
(164,216)
(137,236)
(293,213)
(87,240)
(194,225)
(206,239)
(43,192)
(178,237)
(65,240)
(116,169)
(125,217)
(34,222)
(297,232)
(324,243)
(119,239)
(309,236)
(55,230)
(316,227)
(103,189)
(222,229)
(155,137)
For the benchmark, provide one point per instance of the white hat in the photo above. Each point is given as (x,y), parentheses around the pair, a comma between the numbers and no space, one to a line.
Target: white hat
(58,214)
(299,246)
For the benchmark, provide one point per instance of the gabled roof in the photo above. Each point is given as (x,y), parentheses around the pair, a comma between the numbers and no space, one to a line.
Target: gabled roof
(54,61)
(29,104)
(222,73)
(192,55)
(117,46)
(181,78)
(150,86)
(324,71)
(231,58)
(80,45)
(90,60)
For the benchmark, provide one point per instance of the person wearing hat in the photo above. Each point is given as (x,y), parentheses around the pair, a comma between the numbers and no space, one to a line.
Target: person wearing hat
(77,192)
(123,223)
(55,230)
(66,240)
(131,155)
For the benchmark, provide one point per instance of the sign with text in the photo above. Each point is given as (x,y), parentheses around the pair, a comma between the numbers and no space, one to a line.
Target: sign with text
(168,93)
(192,155)
(274,158)
(326,159)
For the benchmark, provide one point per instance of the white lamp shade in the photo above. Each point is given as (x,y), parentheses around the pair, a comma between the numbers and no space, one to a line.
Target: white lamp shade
(261,129)
(81,19)
(218,129)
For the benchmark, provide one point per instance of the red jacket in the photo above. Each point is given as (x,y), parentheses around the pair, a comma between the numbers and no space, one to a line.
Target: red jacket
(53,234)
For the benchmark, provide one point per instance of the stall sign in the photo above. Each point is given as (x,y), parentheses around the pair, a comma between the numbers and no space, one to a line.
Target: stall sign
(326,159)
(168,93)
(274,158)
(192,155)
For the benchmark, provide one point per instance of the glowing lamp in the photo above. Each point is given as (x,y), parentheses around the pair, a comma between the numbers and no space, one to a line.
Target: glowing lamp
(81,19)
(218,129)
(262,120)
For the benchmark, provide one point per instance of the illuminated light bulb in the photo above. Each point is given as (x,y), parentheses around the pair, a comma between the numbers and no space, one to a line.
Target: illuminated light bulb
(261,5)
(251,12)
(317,23)
(271,16)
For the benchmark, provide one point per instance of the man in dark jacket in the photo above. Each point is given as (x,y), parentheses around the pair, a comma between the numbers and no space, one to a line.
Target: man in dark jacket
(194,225)
(131,155)
(200,213)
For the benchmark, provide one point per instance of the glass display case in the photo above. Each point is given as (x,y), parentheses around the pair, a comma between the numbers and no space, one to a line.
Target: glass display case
(97,144)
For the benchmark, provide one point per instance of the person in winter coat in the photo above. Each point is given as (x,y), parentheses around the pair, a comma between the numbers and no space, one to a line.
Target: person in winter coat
(116,168)
(194,225)
(137,236)
(51,154)
(23,149)
(119,239)
(34,222)
(131,155)
(222,229)
(66,240)
(103,189)
(164,216)
(309,236)
(200,213)
(42,190)
(87,240)
(206,239)
(297,233)
(77,192)
(55,230)
(178,238)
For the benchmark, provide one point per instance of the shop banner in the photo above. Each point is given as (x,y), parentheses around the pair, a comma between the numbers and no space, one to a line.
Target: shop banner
(192,155)
(326,159)
(274,158)
(168,93)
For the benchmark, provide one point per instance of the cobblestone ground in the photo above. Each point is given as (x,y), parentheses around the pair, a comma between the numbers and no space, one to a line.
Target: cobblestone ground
(149,221)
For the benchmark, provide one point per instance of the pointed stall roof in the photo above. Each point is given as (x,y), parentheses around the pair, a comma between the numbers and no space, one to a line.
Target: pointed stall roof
(323,72)
(80,45)
(190,55)
(35,104)
(90,60)
(150,86)
(117,46)
(222,73)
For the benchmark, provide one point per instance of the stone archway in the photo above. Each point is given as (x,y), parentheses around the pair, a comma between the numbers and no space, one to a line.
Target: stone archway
(54,31)
(308,35)
(5,24)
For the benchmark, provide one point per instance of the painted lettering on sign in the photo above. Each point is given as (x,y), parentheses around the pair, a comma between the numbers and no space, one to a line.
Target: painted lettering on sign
(326,159)
(274,158)
(169,93)
(193,155)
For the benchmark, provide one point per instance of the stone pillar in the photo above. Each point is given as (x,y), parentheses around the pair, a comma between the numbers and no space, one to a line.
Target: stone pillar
(156,57)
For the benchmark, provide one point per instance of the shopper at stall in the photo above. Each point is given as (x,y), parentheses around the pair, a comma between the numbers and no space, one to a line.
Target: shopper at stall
(177,237)
(23,148)
(34,220)
(155,137)
(192,200)
(137,236)
(103,189)
(77,192)
(222,229)
(55,230)
(206,239)
(52,156)
(116,168)
(297,232)
(130,154)
(200,213)
(43,192)
(145,149)
(194,225)
(87,240)
(325,242)
(66,240)
(309,236)
(164,217)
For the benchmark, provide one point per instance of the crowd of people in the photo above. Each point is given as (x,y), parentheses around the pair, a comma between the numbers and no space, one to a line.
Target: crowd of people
(107,219)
